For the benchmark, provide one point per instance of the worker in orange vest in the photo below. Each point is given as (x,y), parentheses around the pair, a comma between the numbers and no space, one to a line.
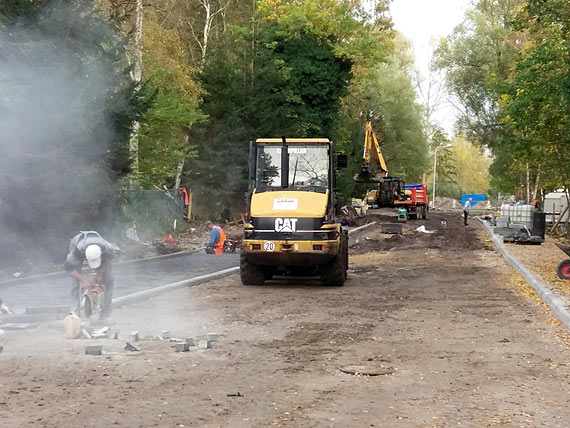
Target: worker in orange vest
(184,195)
(217,238)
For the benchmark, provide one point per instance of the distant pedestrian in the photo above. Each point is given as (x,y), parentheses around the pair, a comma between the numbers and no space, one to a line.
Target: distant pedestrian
(466,209)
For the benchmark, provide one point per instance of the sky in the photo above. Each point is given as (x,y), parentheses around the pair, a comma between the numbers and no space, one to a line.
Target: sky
(424,22)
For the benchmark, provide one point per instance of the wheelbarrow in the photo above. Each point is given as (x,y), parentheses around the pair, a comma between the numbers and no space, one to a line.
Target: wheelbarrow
(563,268)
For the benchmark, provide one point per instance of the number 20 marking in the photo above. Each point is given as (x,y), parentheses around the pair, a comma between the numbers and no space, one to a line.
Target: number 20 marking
(269,246)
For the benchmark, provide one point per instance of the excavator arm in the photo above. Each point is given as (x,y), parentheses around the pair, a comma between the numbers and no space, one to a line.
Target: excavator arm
(371,149)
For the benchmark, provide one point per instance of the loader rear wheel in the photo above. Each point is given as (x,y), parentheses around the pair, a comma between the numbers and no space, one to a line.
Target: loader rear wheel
(335,272)
(250,274)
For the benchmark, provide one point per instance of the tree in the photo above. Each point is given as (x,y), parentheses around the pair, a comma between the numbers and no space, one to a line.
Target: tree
(304,55)
(471,166)
(478,58)
(386,96)
(175,96)
(536,102)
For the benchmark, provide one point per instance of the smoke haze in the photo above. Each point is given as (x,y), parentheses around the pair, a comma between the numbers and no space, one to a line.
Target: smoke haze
(60,91)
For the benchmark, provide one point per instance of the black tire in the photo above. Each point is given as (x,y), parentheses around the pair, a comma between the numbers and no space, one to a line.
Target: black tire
(269,272)
(413,215)
(335,272)
(563,269)
(426,211)
(250,274)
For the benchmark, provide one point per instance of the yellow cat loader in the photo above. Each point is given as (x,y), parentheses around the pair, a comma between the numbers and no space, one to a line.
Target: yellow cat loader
(290,227)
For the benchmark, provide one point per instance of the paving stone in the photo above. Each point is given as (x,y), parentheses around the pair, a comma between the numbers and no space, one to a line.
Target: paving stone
(205,344)
(165,334)
(97,335)
(134,336)
(190,341)
(131,347)
(182,347)
(212,336)
(93,349)
(48,310)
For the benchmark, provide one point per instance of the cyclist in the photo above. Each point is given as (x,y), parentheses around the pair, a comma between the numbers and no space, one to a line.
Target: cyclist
(91,247)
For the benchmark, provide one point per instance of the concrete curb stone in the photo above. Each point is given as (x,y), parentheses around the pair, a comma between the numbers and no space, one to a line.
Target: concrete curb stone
(542,289)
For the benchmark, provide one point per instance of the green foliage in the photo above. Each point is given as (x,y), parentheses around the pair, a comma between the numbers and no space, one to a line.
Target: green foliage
(294,90)
(384,95)
(175,98)
(478,57)
(536,102)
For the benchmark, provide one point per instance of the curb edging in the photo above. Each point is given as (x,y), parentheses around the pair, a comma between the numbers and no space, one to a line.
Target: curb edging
(153,292)
(556,305)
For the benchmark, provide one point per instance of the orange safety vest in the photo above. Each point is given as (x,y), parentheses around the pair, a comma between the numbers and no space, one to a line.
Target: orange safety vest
(220,243)
(185,193)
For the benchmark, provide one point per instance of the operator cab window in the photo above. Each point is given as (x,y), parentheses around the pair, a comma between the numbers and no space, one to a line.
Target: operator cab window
(308,167)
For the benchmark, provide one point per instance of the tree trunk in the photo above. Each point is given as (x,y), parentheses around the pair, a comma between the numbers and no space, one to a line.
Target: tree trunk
(137,76)
(527,184)
(535,190)
(180,167)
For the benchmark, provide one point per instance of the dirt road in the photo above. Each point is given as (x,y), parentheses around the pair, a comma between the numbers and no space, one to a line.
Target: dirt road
(460,341)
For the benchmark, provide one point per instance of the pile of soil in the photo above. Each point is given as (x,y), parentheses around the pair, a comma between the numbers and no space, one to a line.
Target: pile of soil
(443,203)
(448,232)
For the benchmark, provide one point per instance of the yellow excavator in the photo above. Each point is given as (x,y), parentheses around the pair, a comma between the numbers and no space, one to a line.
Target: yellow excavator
(371,147)
(388,188)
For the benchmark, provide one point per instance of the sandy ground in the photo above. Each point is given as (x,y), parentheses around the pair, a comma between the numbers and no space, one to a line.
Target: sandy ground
(461,339)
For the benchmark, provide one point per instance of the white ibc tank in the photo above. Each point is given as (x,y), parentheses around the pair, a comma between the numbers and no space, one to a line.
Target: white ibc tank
(518,213)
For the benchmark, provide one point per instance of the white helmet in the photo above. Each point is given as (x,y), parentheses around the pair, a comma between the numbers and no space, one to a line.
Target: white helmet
(93,256)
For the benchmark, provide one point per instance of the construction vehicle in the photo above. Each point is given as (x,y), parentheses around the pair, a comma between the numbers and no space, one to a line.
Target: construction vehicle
(415,201)
(388,188)
(386,193)
(290,226)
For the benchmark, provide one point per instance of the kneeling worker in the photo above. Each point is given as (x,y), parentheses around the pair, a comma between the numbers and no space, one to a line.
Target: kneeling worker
(91,247)
(217,238)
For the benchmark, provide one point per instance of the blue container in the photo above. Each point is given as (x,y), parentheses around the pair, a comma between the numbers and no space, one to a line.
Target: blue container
(476,198)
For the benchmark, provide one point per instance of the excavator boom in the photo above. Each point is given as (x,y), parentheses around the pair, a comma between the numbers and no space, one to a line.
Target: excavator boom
(371,149)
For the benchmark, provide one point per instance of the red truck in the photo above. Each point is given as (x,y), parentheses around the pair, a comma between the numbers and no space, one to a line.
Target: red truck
(415,201)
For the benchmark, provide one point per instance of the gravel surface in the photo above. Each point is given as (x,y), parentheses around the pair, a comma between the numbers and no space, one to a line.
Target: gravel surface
(457,337)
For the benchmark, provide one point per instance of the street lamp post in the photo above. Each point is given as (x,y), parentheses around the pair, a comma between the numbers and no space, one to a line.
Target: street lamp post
(434,170)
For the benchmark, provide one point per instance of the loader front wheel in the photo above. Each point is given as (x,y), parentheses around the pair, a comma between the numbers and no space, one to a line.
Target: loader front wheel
(335,272)
(250,274)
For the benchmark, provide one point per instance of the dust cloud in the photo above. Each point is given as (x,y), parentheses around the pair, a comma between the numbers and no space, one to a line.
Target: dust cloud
(58,105)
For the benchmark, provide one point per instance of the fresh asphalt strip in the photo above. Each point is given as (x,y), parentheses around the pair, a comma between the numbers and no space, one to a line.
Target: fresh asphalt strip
(557,306)
(32,278)
(153,292)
